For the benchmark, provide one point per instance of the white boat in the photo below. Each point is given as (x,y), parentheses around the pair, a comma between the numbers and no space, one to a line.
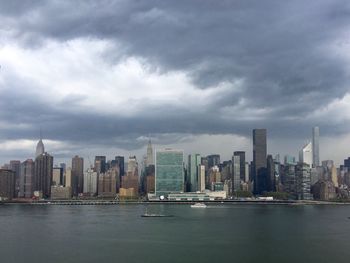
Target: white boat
(199,205)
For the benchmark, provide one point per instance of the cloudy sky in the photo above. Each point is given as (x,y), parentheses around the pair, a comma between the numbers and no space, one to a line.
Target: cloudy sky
(100,77)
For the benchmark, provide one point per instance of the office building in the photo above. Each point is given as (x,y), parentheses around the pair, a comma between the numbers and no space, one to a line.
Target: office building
(40,149)
(236,172)
(100,164)
(305,154)
(259,160)
(169,172)
(241,155)
(7,184)
(133,166)
(59,192)
(213,160)
(149,159)
(43,174)
(107,184)
(303,179)
(90,182)
(68,180)
(119,160)
(26,182)
(315,146)
(57,176)
(192,171)
(15,166)
(270,174)
(78,175)
(201,177)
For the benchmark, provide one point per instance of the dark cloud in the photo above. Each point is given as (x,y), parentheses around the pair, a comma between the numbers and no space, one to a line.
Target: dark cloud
(281,52)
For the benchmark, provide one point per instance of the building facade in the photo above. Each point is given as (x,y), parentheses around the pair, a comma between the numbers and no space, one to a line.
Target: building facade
(43,174)
(169,172)
(315,146)
(26,182)
(259,160)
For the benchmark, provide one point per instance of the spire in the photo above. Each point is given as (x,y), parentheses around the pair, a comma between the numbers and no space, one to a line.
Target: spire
(40,149)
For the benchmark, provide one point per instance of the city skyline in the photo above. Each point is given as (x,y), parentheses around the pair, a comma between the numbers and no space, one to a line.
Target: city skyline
(143,153)
(103,77)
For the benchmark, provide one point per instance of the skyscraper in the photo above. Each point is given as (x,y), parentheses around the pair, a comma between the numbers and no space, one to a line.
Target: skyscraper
(201,177)
(15,166)
(119,160)
(100,164)
(241,155)
(169,171)
(259,160)
(270,174)
(236,172)
(315,146)
(90,182)
(192,171)
(133,166)
(213,160)
(26,182)
(149,160)
(305,154)
(7,184)
(78,175)
(303,181)
(40,149)
(43,174)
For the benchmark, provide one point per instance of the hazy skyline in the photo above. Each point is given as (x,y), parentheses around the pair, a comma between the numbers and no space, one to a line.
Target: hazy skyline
(99,77)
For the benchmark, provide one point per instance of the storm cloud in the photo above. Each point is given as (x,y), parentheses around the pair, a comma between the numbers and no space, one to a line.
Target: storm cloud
(102,73)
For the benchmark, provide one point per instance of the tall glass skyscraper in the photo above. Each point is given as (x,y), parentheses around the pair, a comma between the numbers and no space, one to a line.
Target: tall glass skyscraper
(259,160)
(315,146)
(169,172)
(193,161)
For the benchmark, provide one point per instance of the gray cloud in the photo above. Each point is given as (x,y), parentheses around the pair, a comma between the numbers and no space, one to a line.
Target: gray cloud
(281,52)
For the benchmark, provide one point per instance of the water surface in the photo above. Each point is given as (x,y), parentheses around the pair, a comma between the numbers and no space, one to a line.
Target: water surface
(219,233)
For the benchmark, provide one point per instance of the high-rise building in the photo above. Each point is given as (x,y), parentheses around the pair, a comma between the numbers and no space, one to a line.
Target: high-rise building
(259,160)
(247,172)
(303,181)
(213,160)
(68,180)
(40,149)
(7,184)
(26,182)
(236,172)
(270,174)
(305,154)
(107,183)
(192,171)
(43,174)
(315,146)
(133,166)
(100,164)
(15,166)
(90,182)
(63,166)
(241,155)
(120,163)
(149,159)
(201,177)
(57,176)
(290,180)
(78,175)
(169,172)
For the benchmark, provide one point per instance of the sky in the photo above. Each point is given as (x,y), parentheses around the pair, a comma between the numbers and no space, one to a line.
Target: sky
(102,77)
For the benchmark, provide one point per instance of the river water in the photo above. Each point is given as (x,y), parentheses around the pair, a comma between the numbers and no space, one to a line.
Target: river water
(218,233)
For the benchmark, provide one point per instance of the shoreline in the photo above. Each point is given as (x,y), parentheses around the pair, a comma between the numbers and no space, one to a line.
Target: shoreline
(155,202)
